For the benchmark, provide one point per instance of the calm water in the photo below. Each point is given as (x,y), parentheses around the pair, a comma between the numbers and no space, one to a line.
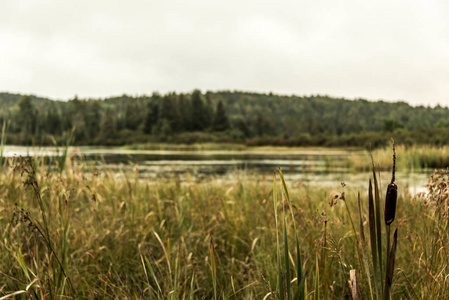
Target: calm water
(309,167)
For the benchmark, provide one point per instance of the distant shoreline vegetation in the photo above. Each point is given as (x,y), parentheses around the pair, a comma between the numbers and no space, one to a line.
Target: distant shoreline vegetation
(415,157)
(223,117)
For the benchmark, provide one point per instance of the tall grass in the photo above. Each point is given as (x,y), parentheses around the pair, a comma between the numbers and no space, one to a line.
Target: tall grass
(62,156)
(95,235)
(408,158)
(2,143)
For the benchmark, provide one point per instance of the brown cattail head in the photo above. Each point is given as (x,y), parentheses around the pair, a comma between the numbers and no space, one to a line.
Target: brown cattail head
(390,203)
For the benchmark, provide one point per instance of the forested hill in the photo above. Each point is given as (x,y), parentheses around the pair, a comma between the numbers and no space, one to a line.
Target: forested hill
(218,116)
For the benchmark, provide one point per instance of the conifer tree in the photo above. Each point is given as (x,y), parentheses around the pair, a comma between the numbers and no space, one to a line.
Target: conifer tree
(108,127)
(221,121)
(26,118)
(152,113)
(200,113)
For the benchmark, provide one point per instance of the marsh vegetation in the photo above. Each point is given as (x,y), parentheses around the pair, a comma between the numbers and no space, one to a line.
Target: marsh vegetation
(84,233)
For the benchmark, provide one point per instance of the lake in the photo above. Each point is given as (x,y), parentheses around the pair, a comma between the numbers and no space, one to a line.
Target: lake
(300,166)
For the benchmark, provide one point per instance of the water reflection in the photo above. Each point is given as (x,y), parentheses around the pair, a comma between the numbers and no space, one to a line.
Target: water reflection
(310,167)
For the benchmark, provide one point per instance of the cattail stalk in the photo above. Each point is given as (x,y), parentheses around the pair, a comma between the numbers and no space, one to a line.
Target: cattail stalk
(390,207)
(390,267)
(392,194)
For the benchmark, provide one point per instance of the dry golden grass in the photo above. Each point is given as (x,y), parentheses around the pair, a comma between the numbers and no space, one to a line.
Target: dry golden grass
(125,238)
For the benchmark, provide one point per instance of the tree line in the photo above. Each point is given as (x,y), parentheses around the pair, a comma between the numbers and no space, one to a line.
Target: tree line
(223,116)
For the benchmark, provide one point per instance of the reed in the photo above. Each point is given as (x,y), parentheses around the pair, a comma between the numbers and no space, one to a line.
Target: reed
(2,143)
(376,235)
(392,195)
(115,236)
(415,157)
(284,274)
(62,158)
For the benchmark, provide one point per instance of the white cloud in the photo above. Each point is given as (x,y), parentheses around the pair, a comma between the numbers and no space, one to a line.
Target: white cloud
(381,49)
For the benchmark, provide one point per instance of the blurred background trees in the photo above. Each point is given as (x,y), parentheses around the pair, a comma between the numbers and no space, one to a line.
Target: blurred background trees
(252,118)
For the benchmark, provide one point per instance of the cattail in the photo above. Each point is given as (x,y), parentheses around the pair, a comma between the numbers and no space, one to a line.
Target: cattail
(392,195)
(390,203)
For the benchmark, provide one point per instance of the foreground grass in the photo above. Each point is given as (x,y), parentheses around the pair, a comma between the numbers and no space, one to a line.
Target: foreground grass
(102,237)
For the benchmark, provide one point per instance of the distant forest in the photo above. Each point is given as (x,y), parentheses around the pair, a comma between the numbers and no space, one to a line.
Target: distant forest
(223,116)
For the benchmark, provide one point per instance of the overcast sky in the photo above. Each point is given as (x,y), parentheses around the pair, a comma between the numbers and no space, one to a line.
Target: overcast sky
(379,49)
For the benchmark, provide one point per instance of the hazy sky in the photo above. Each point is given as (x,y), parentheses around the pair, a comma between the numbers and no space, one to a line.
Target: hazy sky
(378,49)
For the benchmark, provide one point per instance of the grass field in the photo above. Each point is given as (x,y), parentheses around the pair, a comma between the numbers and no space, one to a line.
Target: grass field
(85,234)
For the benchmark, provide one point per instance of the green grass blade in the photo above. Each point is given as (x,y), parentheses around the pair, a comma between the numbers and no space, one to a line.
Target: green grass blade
(298,253)
(287,262)
(363,245)
(299,271)
(378,224)
(154,275)
(213,267)
(278,251)
(2,143)
(145,271)
(191,287)
(410,287)
(300,277)
(287,196)
(372,234)
(317,281)
(22,264)
(300,293)
(390,267)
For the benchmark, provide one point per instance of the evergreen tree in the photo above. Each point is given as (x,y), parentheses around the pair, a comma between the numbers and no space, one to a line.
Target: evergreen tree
(169,114)
(185,113)
(26,118)
(73,117)
(132,116)
(152,113)
(209,111)
(241,125)
(221,121)
(79,123)
(93,119)
(108,127)
(53,122)
(201,114)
